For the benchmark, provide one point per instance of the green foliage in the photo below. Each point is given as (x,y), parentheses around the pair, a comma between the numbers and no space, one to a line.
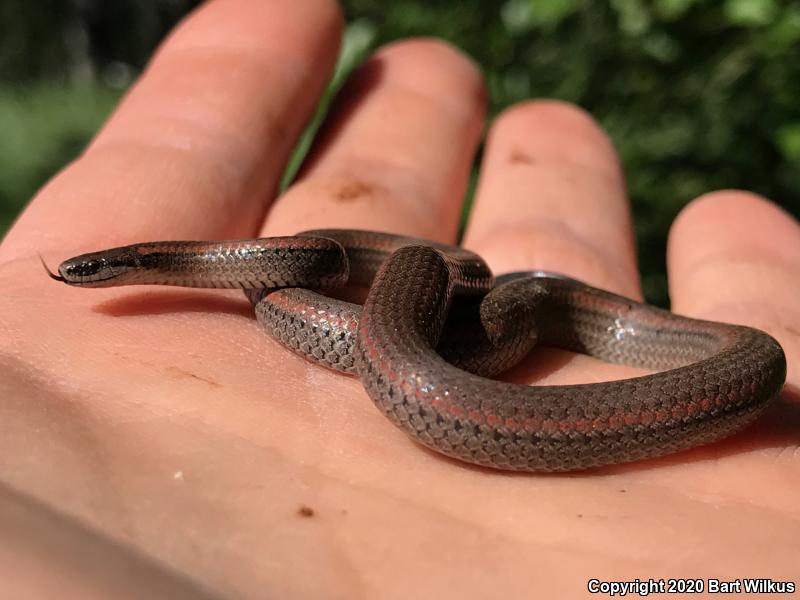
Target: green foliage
(523,15)
(788,140)
(697,94)
(43,127)
(750,13)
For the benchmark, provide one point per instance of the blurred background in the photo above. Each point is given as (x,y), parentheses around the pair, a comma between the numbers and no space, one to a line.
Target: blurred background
(697,94)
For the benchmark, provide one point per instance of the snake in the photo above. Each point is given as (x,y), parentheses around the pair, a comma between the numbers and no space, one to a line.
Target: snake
(437,328)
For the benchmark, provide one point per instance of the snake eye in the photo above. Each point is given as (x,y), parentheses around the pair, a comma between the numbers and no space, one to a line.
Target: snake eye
(87,268)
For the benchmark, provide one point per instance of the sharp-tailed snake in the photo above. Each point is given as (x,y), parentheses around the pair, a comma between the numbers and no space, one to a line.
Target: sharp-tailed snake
(435,325)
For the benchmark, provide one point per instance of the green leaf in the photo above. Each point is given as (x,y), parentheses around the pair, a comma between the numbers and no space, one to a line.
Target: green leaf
(661,46)
(549,13)
(516,15)
(523,15)
(750,13)
(634,17)
(788,139)
(784,33)
(672,10)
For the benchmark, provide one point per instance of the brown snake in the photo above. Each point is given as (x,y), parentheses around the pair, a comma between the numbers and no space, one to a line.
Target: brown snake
(434,326)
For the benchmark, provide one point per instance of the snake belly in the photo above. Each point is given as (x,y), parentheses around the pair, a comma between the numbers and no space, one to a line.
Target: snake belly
(433,328)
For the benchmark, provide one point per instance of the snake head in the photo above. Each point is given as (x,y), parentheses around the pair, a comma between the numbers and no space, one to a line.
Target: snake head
(96,269)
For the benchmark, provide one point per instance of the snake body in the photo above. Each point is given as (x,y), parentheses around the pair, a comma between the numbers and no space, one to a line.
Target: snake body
(434,326)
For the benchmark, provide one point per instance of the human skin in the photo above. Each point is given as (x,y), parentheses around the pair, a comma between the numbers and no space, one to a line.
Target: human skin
(167,422)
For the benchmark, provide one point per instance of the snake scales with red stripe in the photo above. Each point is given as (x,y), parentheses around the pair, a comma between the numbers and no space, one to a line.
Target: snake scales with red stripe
(434,326)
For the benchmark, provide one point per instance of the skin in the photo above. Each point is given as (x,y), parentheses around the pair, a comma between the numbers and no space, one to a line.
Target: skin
(168,423)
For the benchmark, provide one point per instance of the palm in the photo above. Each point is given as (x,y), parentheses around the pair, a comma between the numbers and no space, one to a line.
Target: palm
(166,418)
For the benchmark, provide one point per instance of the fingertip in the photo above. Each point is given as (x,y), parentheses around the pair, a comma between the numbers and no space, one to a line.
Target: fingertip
(249,17)
(564,132)
(435,67)
(732,222)
(732,247)
(424,48)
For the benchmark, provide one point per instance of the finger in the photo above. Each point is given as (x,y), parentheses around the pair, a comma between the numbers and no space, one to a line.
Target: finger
(734,256)
(396,151)
(551,196)
(199,144)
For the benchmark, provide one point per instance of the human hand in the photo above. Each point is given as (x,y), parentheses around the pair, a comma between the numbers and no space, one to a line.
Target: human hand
(167,420)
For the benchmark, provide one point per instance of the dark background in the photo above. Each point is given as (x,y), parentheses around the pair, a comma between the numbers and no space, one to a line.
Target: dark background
(697,94)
